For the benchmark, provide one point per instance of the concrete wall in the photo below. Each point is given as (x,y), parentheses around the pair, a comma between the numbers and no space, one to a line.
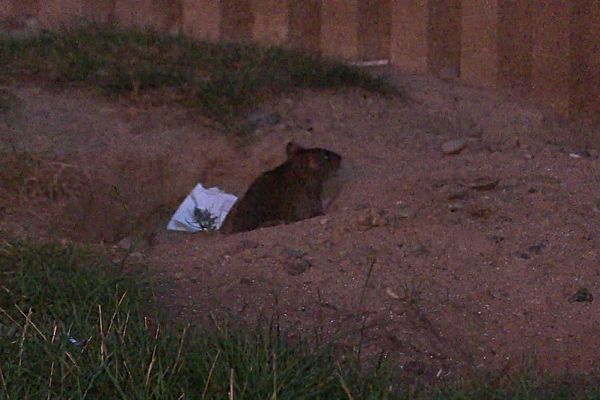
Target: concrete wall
(547,50)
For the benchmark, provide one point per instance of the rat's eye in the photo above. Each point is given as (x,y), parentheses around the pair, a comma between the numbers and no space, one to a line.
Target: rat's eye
(326,157)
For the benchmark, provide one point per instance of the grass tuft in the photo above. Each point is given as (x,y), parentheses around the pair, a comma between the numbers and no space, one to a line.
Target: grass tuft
(72,326)
(224,80)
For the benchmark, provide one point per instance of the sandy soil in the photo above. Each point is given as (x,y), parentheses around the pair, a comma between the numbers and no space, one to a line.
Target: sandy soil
(441,261)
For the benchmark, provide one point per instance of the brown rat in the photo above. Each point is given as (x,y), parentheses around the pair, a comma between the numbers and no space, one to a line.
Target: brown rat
(291,192)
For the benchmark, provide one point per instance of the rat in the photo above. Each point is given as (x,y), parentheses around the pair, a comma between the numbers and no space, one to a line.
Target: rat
(288,193)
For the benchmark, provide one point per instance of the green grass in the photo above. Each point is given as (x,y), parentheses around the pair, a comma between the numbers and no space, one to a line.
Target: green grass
(50,293)
(74,325)
(224,80)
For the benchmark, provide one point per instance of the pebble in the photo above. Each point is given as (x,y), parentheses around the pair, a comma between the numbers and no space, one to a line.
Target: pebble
(537,248)
(481,213)
(125,243)
(294,253)
(261,118)
(371,218)
(454,146)
(580,154)
(484,183)
(455,206)
(404,212)
(297,266)
(582,295)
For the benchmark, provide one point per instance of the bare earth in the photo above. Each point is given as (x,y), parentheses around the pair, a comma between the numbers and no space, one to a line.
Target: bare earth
(442,261)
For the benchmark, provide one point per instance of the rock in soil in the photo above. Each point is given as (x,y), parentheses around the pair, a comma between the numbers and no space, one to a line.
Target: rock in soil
(484,183)
(454,146)
(581,296)
(537,248)
(371,218)
(297,266)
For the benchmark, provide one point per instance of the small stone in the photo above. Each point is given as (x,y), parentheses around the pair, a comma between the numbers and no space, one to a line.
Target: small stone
(391,293)
(419,249)
(537,248)
(404,212)
(454,146)
(582,295)
(459,195)
(125,243)
(455,206)
(247,254)
(261,118)
(324,221)
(372,218)
(481,213)
(297,267)
(294,253)
(497,238)
(484,183)
(246,281)
(179,275)
(580,154)
(247,244)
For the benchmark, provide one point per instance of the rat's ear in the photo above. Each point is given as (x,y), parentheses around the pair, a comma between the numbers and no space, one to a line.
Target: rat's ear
(293,148)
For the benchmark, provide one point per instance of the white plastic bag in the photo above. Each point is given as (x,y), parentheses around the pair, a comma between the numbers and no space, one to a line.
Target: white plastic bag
(213,200)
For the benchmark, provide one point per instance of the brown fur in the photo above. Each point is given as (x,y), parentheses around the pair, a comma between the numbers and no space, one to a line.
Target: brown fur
(291,192)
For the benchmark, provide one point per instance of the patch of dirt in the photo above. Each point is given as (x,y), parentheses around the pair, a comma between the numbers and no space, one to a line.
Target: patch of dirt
(464,227)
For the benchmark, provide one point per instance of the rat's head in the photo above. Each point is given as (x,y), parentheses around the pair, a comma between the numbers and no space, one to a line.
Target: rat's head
(316,161)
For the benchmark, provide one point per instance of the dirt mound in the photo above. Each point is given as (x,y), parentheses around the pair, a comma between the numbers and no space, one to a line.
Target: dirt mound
(463,230)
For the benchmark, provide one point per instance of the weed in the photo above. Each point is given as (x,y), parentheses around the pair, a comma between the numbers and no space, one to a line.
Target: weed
(204,219)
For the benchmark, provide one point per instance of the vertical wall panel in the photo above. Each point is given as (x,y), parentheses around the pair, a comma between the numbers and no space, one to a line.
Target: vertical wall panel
(444,37)
(305,25)
(201,19)
(339,28)
(237,20)
(270,21)
(133,13)
(100,11)
(585,59)
(550,75)
(408,47)
(515,44)
(374,29)
(54,14)
(479,55)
